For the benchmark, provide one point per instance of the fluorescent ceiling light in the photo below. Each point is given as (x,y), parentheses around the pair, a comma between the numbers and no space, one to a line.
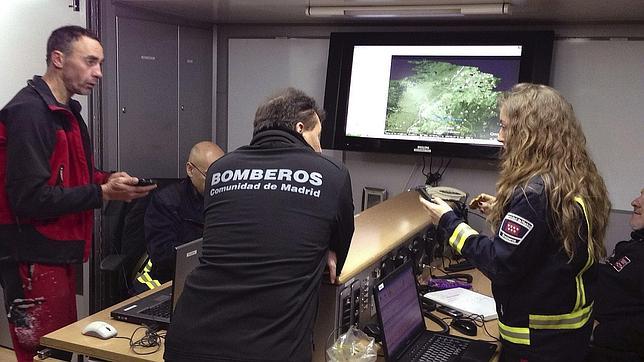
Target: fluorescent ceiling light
(409,10)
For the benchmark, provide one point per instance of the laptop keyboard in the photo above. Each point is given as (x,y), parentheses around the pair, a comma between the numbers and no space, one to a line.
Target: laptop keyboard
(162,309)
(437,348)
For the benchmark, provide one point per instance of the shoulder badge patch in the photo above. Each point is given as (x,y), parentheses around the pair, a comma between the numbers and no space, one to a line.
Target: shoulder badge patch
(620,264)
(514,228)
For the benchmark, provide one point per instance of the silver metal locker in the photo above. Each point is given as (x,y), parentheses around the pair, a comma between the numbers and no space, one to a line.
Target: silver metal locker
(147,81)
(195,89)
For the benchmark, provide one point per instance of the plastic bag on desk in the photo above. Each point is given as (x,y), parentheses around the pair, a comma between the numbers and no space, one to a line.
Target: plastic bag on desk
(354,345)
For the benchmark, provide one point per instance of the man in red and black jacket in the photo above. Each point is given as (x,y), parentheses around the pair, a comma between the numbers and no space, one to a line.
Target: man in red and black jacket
(49,188)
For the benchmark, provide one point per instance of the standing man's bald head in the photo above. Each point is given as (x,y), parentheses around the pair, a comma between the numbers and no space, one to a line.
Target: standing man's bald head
(202,155)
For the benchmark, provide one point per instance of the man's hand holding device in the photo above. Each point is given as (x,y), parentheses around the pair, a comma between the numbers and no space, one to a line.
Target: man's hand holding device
(121,186)
(146,182)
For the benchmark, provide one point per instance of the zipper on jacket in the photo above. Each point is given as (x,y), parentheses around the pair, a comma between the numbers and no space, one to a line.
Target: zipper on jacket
(59,181)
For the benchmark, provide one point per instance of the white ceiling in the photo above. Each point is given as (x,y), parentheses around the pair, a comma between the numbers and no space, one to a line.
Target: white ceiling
(293,11)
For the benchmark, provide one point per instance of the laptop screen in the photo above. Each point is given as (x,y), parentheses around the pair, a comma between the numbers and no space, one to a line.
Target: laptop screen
(399,311)
(186,259)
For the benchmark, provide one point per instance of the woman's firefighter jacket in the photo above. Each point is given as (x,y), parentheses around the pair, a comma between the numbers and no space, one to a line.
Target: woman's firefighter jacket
(535,286)
(48,184)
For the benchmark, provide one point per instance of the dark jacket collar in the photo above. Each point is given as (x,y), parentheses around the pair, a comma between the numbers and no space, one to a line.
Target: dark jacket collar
(279,136)
(41,87)
(638,235)
(191,190)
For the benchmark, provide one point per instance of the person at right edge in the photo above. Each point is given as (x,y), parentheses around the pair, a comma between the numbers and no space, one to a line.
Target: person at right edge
(619,333)
(276,213)
(549,217)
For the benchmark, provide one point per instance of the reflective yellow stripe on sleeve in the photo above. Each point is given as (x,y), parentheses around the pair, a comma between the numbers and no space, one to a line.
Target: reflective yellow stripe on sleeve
(149,282)
(145,278)
(518,335)
(461,233)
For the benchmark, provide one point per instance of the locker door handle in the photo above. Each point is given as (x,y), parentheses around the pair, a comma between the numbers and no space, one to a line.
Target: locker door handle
(123,110)
(182,108)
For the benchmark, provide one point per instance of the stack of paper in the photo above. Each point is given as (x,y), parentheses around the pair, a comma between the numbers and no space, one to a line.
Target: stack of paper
(465,301)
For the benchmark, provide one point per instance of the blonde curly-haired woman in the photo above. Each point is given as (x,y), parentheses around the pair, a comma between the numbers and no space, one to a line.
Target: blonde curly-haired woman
(549,217)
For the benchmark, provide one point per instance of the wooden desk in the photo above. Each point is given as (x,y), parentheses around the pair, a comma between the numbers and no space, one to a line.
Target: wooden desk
(70,339)
(380,229)
(377,232)
(481,284)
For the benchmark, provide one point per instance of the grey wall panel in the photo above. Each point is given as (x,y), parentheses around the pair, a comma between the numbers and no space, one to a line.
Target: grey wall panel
(603,81)
(259,67)
(195,89)
(148,93)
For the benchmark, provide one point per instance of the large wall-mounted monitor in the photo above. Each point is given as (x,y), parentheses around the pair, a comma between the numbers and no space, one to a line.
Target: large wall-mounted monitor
(426,92)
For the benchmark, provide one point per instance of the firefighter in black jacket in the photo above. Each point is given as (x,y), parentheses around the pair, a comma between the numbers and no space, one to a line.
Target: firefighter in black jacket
(276,212)
(174,216)
(619,335)
(549,218)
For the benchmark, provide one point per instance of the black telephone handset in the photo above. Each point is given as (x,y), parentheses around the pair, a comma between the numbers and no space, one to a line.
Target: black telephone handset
(422,190)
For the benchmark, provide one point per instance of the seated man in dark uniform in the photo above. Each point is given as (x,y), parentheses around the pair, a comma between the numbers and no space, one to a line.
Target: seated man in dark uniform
(174,215)
(619,334)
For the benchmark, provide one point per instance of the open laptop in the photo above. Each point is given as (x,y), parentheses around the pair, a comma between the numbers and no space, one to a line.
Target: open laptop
(404,337)
(156,308)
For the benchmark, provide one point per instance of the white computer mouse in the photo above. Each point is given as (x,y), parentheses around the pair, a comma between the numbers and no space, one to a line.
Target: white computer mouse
(99,329)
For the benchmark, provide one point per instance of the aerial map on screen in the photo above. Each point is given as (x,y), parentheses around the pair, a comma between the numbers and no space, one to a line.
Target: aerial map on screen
(430,93)
(429,97)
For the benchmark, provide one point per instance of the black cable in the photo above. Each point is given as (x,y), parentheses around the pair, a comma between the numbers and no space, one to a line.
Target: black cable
(151,339)
(479,320)
(423,170)
(433,176)
(326,345)
(431,163)
(446,166)
(430,315)
(444,326)
(443,257)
